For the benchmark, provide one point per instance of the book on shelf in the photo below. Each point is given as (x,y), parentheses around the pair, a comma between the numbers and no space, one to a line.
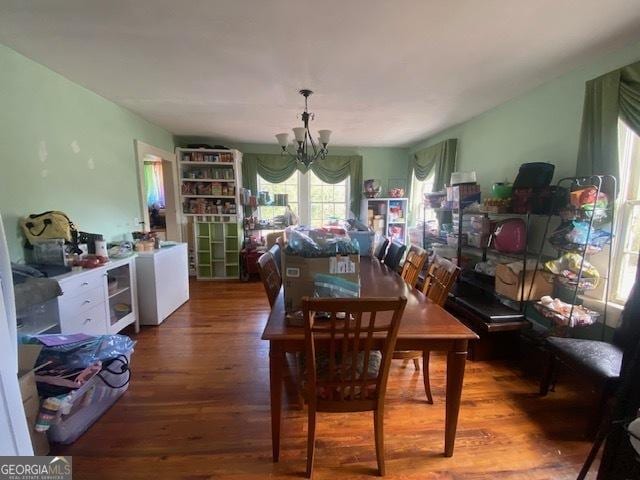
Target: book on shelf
(207,157)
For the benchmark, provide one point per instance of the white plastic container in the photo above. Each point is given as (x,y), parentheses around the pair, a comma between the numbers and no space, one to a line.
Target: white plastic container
(463,177)
(84,406)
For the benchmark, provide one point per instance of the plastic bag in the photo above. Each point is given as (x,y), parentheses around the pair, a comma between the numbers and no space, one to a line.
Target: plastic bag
(81,354)
(318,243)
(332,286)
(567,268)
(573,236)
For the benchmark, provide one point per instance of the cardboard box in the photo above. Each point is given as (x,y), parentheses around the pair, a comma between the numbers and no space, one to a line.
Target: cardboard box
(299,275)
(27,357)
(509,284)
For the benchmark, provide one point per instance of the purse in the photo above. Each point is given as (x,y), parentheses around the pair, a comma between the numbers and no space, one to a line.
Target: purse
(48,225)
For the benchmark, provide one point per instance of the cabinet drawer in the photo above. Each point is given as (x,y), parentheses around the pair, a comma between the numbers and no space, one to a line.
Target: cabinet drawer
(84,300)
(77,286)
(93,322)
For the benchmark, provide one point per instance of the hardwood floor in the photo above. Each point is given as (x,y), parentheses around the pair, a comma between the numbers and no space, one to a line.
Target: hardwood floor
(198,408)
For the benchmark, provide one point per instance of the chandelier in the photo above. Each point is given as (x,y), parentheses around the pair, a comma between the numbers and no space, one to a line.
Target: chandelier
(303,153)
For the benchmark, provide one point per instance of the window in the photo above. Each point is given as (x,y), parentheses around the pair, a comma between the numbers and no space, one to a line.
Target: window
(327,201)
(627,237)
(315,202)
(154,184)
(418,189)
(290,186)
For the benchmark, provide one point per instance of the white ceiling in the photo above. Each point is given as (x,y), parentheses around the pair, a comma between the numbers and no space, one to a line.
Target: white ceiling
(385,72)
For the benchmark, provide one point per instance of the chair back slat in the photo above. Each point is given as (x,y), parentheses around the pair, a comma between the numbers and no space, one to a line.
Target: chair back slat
(348,337)
(439,281)
(270,276)
(413,265)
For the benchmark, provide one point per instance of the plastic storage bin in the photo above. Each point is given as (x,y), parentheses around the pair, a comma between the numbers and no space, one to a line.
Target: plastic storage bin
(85,405)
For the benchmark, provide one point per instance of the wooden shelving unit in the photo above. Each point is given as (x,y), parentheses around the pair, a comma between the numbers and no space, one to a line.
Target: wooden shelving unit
(210,181)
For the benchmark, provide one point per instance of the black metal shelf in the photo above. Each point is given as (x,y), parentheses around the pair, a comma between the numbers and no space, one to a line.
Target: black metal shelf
(571,184)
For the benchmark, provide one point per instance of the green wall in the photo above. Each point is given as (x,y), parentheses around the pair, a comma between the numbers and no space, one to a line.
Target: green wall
(380,163)
(44,120)
(542,125)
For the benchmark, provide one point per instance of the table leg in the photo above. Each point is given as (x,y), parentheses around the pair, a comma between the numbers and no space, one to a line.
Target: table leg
(456,359)
(276,365)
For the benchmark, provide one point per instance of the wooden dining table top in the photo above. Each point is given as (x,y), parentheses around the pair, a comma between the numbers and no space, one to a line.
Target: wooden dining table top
(422,318)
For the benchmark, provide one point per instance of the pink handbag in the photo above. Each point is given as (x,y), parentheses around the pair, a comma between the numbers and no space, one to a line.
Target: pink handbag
(510,236)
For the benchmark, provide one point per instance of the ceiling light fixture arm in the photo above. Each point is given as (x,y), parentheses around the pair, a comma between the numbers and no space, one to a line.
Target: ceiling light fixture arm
(303,138)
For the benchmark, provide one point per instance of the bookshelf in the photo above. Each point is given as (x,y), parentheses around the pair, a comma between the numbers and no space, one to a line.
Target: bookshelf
(210,181)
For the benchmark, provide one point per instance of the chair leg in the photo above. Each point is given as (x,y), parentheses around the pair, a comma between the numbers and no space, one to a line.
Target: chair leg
(378,419)
(416,364)
(602,411)
(548,373)
(311,439)
(300,382)
(425,375)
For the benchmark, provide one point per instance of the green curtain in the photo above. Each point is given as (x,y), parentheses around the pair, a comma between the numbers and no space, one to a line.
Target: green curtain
(607,98)
(441,156)
(250,172)
(277,168)
(334,169)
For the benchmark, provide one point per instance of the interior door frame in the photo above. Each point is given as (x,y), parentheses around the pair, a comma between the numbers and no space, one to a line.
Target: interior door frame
(173,214)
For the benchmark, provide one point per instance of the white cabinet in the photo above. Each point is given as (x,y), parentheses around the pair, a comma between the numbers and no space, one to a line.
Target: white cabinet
(99,301)
(163,282)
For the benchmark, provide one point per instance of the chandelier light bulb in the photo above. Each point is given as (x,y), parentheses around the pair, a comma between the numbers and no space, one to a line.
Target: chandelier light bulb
(283,139)
(324,136)
(299,133)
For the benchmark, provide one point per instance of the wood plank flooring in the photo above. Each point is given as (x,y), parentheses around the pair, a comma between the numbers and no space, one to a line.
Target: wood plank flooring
(198,408)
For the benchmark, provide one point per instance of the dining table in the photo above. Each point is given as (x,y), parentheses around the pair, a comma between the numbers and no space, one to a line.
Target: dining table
(425,326)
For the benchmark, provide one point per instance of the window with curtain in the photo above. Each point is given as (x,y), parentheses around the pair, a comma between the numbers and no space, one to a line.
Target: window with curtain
(154,184)
(327,202)
(627,237)
(314,201)
(290,186)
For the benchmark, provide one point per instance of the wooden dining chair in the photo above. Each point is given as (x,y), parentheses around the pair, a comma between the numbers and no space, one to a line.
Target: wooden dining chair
(413,265)
(348,349)
(270,276)
(416,258)
(276,251)
(441,276)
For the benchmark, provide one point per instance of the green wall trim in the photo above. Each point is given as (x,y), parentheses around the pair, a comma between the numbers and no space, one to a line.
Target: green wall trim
(63,147)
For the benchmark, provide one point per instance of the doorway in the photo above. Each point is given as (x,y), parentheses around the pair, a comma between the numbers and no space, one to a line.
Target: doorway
(157,191)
